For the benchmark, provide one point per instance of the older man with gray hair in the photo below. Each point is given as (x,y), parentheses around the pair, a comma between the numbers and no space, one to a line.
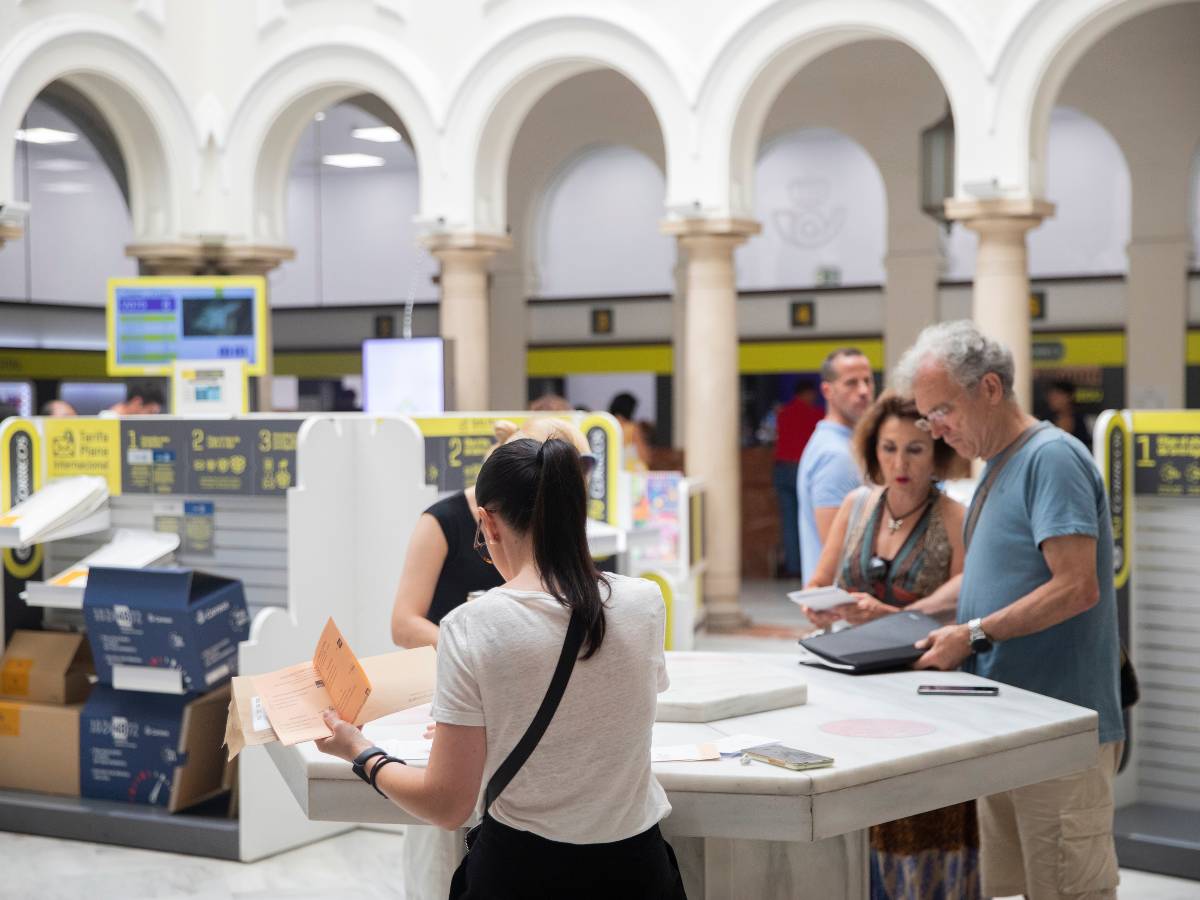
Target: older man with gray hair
(1036,608)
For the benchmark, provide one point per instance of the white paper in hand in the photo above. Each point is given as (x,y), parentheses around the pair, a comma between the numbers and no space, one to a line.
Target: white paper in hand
(821,598)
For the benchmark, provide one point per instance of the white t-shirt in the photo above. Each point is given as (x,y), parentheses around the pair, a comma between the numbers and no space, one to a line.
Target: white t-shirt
(588,780)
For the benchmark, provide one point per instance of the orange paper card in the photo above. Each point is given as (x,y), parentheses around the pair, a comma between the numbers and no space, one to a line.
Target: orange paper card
(294,698)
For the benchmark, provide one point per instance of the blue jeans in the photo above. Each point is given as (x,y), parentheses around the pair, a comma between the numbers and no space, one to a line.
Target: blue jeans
(789,515)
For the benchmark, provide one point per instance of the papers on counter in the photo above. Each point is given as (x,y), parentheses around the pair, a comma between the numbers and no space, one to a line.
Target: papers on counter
(821,598)
(64,508)
(290,702)
(130,548)
(732,745)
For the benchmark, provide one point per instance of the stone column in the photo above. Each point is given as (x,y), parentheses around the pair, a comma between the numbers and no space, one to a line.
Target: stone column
(189,258)
(678,351)
(464,313)
(910,300)
(1001,293)
(712,400)
(1156,303)
(509,334)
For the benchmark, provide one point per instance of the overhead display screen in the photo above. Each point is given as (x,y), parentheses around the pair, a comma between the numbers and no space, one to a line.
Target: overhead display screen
(152,322)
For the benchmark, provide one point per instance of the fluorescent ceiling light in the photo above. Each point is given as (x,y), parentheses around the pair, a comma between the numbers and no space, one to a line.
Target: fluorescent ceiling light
(61,165)
(45,136)
(383,134)
(352,160)
(67,187)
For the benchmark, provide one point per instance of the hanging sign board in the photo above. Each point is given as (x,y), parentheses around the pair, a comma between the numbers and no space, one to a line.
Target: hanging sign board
(152,322)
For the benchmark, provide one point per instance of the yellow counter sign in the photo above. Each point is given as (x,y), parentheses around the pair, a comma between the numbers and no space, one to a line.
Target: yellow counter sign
(84,447)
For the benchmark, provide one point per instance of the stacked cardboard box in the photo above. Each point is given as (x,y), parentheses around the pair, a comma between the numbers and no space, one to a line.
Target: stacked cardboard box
(43,682)
(165,642)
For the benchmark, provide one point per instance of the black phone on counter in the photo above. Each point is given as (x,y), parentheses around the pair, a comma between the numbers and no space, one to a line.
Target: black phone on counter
(959,690)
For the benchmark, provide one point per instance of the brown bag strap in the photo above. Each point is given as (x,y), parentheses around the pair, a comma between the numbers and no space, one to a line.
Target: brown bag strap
(993,472)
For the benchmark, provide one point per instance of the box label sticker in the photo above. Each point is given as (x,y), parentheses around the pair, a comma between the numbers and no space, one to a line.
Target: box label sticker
(14,679)
(199,526)
(10,720)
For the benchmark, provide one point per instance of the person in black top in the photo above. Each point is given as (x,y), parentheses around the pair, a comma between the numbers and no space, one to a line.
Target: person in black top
(441,566)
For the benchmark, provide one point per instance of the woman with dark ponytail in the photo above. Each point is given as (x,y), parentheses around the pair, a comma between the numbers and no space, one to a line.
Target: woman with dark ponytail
(546,693)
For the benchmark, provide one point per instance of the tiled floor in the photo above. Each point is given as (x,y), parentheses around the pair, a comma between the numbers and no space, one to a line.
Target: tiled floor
(362,863)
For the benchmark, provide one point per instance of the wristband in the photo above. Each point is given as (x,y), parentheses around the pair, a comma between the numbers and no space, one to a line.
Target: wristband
(360,761)
(379,765)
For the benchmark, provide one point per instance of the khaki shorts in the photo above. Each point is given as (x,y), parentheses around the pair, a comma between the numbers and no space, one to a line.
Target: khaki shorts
(1053,839)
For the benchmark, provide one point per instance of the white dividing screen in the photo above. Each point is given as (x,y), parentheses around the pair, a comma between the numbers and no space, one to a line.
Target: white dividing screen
(404,376)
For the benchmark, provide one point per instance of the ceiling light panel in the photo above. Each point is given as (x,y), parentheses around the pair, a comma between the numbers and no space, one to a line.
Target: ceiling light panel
(45,136)
(383,134)
(352,160)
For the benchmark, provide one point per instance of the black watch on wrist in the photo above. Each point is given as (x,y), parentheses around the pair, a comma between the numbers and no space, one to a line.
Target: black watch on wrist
(980,642)
(361,760)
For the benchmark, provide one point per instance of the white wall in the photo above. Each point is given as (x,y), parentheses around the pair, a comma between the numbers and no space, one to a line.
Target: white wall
(599,229)
(76,234)
(1088,181)
(352,229)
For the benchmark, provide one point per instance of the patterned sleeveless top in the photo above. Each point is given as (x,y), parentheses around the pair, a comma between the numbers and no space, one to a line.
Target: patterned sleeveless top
(920,566)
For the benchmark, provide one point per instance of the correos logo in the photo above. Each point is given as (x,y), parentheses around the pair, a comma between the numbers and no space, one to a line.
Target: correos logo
(123,616)
(207,615)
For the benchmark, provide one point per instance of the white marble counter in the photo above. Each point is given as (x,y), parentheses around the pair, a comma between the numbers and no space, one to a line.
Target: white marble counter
(974,746)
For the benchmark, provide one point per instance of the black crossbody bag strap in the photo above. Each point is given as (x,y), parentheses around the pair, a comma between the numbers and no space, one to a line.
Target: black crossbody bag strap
(985,486)
(541,720)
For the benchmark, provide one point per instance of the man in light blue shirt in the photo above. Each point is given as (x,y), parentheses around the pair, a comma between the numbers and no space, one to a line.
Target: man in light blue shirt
(827,470)
(1036,609)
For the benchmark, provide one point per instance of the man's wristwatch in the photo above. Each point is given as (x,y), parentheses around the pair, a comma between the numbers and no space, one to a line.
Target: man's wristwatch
(361,760)
(980,642)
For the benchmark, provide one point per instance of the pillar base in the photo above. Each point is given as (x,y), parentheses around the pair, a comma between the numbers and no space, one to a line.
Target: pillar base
(724,617)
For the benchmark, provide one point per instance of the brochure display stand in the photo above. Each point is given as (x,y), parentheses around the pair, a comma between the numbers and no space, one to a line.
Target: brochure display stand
(664,515)
(1151,466)
(312,515)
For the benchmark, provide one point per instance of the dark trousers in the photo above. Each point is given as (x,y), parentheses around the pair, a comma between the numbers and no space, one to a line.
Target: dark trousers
(789,515)
(507,864)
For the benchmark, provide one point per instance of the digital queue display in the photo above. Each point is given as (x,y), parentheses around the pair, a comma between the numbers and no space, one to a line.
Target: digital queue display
(152,322)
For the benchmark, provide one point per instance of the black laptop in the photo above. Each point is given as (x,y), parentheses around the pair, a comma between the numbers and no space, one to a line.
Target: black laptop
(875,646)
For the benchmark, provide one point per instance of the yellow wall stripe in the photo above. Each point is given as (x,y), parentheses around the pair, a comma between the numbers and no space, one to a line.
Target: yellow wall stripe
(318,365)
(1055,350)
(550,362)
(52,364)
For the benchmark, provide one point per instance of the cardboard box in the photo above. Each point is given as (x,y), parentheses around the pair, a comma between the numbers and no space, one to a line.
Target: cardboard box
(39,747)
(176,623)
(154,749)
(46,667)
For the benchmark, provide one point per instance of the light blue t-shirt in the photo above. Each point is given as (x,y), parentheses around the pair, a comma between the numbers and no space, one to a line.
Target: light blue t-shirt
(1049,488)
(826,475)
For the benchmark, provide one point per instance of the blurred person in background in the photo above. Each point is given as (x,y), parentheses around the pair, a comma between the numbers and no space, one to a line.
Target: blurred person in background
(794,425)
(828,471)
(637,452)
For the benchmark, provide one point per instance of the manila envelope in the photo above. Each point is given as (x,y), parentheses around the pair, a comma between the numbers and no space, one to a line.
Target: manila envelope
(399,680)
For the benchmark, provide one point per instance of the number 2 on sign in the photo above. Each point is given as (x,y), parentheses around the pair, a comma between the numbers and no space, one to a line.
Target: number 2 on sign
(455,461)
(197,439)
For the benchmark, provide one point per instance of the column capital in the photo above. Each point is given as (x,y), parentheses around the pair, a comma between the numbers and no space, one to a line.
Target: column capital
(737,230)
(999,214)
(472,241)
(10,232)
(186,257)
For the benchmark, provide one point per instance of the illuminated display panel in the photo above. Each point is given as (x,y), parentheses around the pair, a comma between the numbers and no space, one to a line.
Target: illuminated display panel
(152,322)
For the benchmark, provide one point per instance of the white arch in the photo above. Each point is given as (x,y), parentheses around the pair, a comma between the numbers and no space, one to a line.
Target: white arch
(1031,70)
(775,43)
(279,101)
(132,90)
(503,84)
